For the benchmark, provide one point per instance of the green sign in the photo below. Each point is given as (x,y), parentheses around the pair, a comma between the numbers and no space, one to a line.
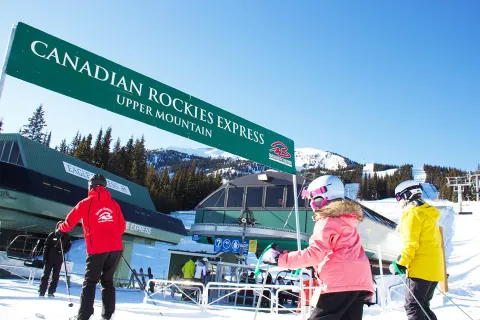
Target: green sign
(54,64)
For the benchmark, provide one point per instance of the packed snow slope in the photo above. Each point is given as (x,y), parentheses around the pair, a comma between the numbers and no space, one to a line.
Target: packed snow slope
(18,300)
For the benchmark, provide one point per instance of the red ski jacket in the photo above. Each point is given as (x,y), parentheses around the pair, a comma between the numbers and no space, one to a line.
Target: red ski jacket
(102,221)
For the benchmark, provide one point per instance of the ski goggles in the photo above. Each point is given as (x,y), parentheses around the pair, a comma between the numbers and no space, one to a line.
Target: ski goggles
(314,195)
(417,188)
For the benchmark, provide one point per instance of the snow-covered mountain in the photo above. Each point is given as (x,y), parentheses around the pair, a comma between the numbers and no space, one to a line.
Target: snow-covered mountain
(312,158)
(203,152)
(215,160)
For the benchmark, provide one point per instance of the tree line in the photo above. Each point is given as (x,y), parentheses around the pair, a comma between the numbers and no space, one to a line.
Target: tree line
(376,188)
(371,187)
(182,189)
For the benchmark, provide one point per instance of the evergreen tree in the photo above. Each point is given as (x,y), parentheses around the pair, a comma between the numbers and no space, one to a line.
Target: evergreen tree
(164,178)
(139,164)
(217,182)
(382,187)
(127,159)
(97,150)
(115,163)
(107,140)
(36,124)
(75,143)
(192,187)
(48,139)
(84,150)
(63,146)
(370,191)
(364,188)
(374,187)
(163,191)
(1,125)
(134,172)
(178,188)
(151,180)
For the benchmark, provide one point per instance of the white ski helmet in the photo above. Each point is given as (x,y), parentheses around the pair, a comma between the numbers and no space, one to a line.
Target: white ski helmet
(408,190)
(323,189)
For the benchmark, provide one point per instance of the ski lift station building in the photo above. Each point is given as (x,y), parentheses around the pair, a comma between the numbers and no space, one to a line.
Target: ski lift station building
(269,198)
(39,186)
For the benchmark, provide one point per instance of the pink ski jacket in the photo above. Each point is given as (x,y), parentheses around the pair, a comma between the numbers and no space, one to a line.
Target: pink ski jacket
(335,250)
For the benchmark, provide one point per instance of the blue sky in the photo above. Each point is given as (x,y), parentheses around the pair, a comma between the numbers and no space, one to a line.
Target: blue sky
(377,81)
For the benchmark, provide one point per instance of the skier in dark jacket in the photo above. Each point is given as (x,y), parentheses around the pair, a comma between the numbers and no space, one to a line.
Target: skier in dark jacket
(103,225)
(53,259)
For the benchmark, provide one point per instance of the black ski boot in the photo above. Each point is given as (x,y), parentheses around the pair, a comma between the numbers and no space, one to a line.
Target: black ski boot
(51,295)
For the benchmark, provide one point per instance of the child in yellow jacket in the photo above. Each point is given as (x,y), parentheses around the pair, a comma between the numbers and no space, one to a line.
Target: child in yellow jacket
(421,256)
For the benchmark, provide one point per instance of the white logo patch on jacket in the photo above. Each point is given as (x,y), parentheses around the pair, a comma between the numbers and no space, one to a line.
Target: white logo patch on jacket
(104,215)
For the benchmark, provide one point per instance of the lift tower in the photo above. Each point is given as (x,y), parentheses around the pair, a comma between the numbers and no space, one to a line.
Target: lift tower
(458,183)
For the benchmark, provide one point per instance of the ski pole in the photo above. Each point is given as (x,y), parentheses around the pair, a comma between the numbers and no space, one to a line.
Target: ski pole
(261,293)
(66,274)
(425,312)
(144,287)
(454,303)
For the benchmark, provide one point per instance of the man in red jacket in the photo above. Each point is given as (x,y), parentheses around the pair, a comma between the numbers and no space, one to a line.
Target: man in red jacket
(103,225)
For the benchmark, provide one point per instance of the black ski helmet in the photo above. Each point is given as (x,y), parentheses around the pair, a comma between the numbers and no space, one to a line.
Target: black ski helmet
(96,180)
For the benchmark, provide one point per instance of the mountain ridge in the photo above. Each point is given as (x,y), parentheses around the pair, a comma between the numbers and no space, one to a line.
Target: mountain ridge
(210,160)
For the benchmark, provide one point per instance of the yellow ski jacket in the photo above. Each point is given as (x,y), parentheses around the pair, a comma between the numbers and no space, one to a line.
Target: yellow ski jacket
(422,244)
(188,269)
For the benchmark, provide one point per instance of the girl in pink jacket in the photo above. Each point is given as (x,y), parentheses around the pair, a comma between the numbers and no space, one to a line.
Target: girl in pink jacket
(335,253)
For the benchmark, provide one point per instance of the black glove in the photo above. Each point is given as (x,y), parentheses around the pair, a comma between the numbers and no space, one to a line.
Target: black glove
(396,268)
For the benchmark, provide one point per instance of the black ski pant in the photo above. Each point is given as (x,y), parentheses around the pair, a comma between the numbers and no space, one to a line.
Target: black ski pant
(47,270)
(423,290)
(346,305)
(99,267)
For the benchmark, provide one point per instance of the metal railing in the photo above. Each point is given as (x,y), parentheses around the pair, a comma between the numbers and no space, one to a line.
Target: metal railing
(222,295)
(192,291)
(219,292)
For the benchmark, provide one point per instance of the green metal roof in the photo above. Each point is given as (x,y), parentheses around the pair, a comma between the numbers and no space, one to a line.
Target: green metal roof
(50,162)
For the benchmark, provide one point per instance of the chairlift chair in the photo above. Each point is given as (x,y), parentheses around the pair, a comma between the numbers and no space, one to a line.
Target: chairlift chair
(27,248)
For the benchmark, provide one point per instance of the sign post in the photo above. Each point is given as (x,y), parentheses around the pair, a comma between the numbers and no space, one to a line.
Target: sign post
(3,74)
(297,218)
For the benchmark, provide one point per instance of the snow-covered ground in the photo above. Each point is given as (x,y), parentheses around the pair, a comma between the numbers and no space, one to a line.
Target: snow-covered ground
(18,300)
